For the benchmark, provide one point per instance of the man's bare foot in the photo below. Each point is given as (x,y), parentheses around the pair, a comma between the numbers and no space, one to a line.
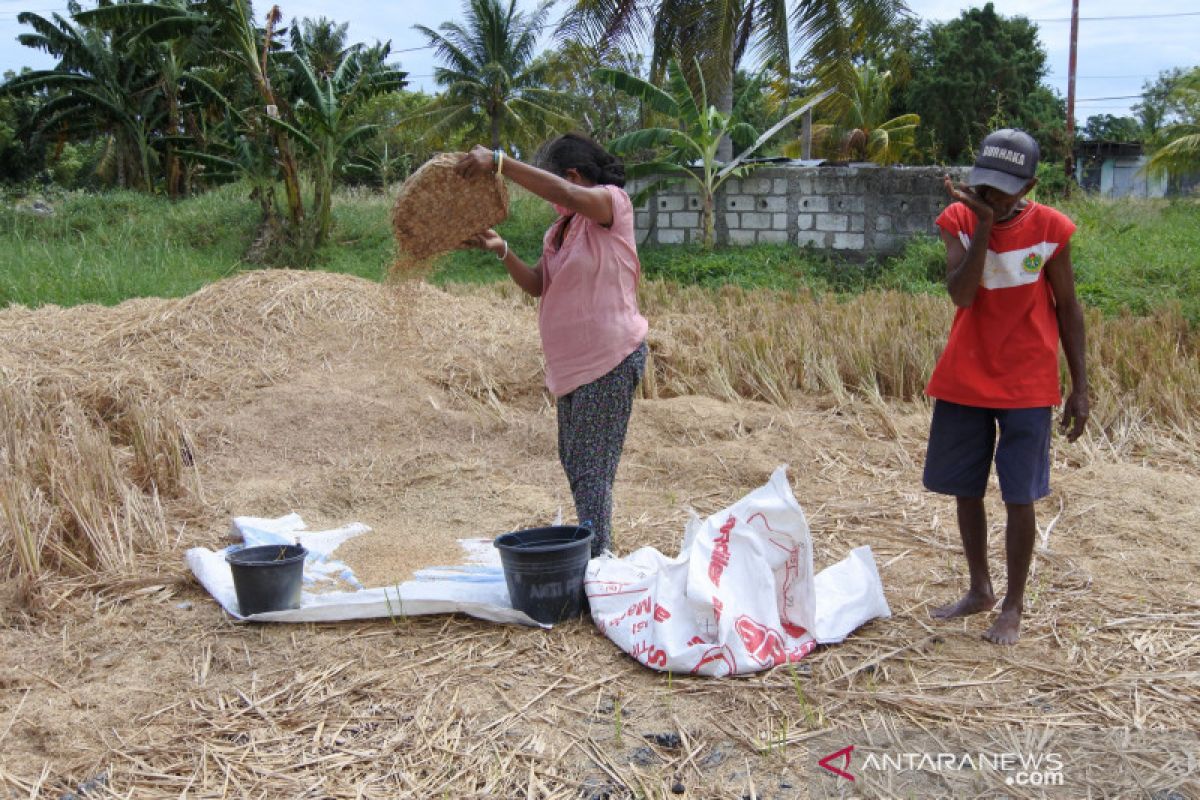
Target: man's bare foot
(1006,629)
(970,603)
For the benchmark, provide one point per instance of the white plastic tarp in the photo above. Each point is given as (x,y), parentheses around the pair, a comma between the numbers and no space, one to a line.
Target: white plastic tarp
(476,588)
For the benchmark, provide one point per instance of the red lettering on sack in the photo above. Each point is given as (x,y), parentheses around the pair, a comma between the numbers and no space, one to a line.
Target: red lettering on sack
(791,572)
(718,607)
(695,640)
(764,644)
(640,607)
(661,614)
(798,653)
(722,654)
(602,588)
(653,655)
(720,555)
(765,524)
(792,630)
(639,627)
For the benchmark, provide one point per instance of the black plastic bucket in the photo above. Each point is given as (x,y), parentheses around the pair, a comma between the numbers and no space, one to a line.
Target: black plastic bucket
(267,578)
(544,569)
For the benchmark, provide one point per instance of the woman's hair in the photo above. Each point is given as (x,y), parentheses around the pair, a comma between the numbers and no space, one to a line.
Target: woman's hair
(578,152)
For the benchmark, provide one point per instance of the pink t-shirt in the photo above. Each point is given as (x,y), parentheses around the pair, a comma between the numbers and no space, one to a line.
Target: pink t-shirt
(588,315)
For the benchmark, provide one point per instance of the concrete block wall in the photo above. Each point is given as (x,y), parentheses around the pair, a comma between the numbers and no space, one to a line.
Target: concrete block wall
(858,210)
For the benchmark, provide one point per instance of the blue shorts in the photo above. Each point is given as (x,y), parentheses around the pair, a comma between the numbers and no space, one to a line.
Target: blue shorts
(962,442)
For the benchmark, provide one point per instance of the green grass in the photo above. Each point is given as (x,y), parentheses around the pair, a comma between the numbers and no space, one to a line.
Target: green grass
(1129,255)
(107,248)
(1137,255)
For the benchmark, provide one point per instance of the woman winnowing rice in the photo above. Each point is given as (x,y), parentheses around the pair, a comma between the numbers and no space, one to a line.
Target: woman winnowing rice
(593,336)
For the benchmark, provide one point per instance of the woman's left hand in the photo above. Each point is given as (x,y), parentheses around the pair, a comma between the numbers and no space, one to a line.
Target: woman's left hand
(488,240)
(476,162)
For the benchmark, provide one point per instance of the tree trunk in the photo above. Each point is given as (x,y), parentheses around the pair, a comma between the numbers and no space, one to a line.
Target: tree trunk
(708,220)
(258,68)
(144,154)
(806,135)
(174,167)
(495,130)
(725,106)
(291,178)
(323,201)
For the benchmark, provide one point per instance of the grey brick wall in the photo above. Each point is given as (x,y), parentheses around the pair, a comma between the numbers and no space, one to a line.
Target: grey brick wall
(858,210)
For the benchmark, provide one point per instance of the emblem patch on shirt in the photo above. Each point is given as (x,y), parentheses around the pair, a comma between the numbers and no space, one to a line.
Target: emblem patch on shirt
(1032,262)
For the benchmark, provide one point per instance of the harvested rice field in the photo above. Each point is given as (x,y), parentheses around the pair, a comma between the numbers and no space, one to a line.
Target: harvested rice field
(132,433)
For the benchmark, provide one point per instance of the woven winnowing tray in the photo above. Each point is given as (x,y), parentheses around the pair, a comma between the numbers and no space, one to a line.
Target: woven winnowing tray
(437,209)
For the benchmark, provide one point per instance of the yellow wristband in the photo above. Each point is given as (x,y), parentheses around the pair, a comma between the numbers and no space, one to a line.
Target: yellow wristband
(500,164)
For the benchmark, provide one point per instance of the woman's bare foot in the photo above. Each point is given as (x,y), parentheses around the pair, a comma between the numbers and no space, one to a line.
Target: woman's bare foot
(1007,627)
(972,602)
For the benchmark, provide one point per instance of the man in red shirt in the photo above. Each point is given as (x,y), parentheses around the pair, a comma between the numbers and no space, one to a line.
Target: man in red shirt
(1008,270)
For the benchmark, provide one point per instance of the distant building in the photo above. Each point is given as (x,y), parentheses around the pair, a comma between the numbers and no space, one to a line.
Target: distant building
(1117,169)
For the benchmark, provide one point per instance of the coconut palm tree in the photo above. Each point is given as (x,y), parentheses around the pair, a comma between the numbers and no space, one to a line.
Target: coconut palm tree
(1180,153)
(494,87)
(866,131)
(322,42)
(718,34)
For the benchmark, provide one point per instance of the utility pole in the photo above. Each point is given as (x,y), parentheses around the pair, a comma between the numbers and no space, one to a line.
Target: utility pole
(1070,165)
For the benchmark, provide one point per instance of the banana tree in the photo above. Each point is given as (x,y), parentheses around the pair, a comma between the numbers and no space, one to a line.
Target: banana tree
(688,151)
(165,56)
(325,122)
(233,38)
(94,91)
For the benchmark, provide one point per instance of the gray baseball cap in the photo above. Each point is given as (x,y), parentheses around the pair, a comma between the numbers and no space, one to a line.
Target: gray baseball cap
(1007,160)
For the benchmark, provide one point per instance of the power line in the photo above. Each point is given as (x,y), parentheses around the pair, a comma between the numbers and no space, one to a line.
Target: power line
(1126,16)
(35,11)
(1102,77)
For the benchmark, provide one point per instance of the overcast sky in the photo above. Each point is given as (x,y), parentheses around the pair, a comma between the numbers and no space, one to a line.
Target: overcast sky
(1115,55)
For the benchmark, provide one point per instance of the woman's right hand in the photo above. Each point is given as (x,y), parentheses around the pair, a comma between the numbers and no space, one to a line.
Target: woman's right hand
(477,162)
(488,240)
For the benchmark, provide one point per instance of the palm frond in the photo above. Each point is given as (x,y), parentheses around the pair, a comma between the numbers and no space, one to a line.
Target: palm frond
(294,133)
(635,87)
(1180,155)
(650,138)
(605,24)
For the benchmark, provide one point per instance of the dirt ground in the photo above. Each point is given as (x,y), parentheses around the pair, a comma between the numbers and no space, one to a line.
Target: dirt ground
(424,415)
